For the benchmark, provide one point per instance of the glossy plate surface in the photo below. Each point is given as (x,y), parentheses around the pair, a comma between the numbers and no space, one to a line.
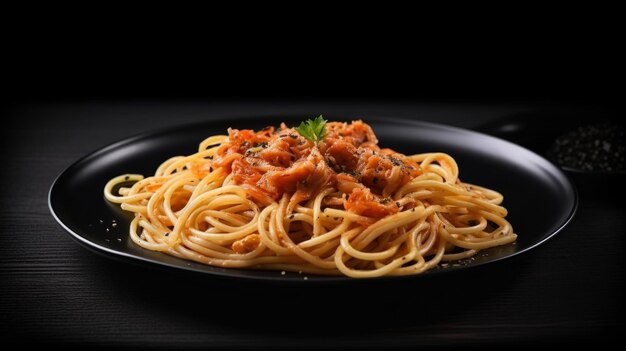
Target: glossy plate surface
(539,197)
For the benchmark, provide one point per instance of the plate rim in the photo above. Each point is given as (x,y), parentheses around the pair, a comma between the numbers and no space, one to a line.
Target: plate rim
(234,275)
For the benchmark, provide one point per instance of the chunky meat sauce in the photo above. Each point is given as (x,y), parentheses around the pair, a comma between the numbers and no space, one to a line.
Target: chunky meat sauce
(271,162)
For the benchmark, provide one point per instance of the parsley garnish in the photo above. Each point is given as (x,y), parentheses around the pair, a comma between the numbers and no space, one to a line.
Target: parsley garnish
(313,130)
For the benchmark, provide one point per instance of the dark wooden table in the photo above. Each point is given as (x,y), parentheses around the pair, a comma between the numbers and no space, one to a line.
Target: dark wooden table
(570,289)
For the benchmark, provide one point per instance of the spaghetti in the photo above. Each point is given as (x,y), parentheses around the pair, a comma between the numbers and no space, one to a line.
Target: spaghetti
(341,205)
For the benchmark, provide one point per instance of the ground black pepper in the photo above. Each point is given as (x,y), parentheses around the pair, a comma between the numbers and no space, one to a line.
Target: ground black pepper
(596,147)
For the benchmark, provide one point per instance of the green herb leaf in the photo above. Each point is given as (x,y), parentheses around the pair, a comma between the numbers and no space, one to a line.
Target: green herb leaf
(313,130)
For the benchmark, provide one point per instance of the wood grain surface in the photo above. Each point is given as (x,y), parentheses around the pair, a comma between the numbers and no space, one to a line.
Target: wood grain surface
(53,290)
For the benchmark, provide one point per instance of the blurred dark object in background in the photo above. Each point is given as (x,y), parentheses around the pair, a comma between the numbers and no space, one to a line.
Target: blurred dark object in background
(538,130)
(587,143)
(593,147)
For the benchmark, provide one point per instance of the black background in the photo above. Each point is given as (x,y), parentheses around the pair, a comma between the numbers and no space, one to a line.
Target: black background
(526,54)
(71,87)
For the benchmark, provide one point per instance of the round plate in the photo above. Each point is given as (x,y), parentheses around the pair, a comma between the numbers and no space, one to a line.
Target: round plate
(540,199)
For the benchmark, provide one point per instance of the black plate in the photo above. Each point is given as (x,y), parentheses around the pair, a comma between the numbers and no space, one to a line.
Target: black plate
(539,197)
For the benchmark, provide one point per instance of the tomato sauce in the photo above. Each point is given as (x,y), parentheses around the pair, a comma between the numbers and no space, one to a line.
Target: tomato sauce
(272,162)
